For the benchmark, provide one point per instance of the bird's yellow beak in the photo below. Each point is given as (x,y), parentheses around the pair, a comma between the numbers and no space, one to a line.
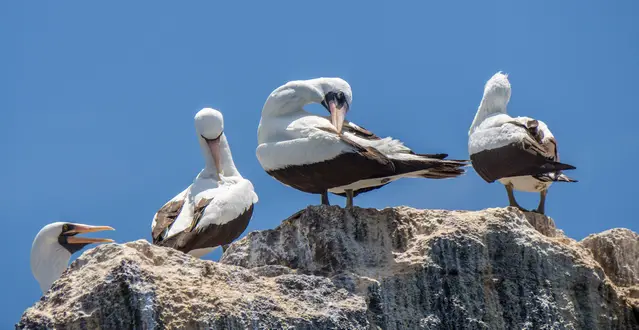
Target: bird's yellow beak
(82,229)
(337,114)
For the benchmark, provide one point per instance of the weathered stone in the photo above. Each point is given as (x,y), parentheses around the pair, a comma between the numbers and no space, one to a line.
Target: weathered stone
(617,251)
(328,267)
(140,286)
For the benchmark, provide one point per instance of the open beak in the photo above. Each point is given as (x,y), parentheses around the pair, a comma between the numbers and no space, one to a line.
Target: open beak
(337,114)
(214,146)
(82,229)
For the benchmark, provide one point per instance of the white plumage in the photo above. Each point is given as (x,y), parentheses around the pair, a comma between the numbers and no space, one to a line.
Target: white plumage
(220,185)
(53,247)
(289,136)
(500,145)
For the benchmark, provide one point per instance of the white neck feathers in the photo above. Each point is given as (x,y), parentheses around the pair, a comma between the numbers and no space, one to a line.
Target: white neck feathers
(495,99)
(294,95)
(291,97)
(48,262)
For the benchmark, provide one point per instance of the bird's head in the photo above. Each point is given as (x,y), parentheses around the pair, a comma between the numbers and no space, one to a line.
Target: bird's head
(333,93)
(209,126)
(497,90)
(53,246)
(337,97)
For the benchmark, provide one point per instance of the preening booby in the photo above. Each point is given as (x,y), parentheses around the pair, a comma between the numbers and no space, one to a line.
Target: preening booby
(53,246)
(519,152)
(318,154)
(217,207)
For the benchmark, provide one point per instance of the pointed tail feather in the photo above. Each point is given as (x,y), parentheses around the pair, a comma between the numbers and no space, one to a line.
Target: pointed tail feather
(555,177)
(564,178)
(441,174)
(426,167)
(436,156)
(557,166)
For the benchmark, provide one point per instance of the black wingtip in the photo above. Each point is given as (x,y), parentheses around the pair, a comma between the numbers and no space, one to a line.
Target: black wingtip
(563,167)
(436,156)
(564,178)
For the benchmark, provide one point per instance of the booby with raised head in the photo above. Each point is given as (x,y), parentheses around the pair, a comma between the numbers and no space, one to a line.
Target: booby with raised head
(521,153)
(216,208)
(53,246)
(321,154)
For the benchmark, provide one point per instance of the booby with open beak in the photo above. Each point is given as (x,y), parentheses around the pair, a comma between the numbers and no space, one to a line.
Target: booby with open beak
(217,207)
(521,153)
(53,246)
(317,154)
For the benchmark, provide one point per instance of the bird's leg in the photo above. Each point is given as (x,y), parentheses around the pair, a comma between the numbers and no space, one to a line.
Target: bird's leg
(325,198)
(511,197)
(349,198)
(542,202)
(225,247)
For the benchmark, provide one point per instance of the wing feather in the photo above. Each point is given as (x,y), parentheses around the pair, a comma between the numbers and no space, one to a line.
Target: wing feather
(532,155)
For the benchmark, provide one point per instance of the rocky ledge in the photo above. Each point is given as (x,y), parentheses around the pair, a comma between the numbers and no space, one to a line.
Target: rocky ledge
(328,267)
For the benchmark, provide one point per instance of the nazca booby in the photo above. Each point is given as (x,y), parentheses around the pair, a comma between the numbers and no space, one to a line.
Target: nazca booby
(53,246)
(317,154)
(521,153)
(217,207)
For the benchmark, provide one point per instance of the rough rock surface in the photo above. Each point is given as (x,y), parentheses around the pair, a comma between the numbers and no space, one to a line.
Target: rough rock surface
(617,251)
(327,267)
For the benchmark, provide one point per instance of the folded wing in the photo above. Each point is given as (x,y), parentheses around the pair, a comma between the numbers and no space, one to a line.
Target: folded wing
(531,153)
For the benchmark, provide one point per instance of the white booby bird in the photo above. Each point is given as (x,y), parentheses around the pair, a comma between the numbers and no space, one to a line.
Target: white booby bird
(53,246)
(519,152)
(217,207)
(317,154)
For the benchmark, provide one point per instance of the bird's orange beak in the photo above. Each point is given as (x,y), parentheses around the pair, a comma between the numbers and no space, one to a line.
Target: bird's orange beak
(214,146)
(82,229)
(337,115)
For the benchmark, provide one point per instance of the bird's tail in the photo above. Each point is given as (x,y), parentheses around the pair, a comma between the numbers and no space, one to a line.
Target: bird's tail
(425,166)
(555,177)
(564,178)
(437,156)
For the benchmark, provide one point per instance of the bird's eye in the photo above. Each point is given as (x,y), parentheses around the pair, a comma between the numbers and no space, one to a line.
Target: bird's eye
(65,228)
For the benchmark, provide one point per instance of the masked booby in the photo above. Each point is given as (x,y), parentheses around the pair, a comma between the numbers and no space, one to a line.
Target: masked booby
(521,153)
(216,208)
(317,154)
(53,246)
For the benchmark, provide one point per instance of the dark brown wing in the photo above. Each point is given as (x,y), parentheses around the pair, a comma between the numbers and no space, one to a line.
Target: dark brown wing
(363,133)
(359,131)
(370,153)
(211,235)
(550,146)
(165,217)
(362,163)
(439,169)
(526,157)
(197,212)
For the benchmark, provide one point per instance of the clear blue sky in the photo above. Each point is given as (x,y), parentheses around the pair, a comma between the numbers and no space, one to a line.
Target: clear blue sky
(98,99)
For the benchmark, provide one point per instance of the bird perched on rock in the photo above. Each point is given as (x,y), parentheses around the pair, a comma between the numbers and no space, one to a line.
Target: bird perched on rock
(521,153)
(53,246)
(216,208)
(321,154)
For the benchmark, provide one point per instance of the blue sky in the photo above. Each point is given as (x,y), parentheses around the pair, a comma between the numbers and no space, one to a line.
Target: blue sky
(98,100)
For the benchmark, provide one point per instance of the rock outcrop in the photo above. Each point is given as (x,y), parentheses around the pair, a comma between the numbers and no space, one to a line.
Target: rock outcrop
(617,251)
(328,267)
